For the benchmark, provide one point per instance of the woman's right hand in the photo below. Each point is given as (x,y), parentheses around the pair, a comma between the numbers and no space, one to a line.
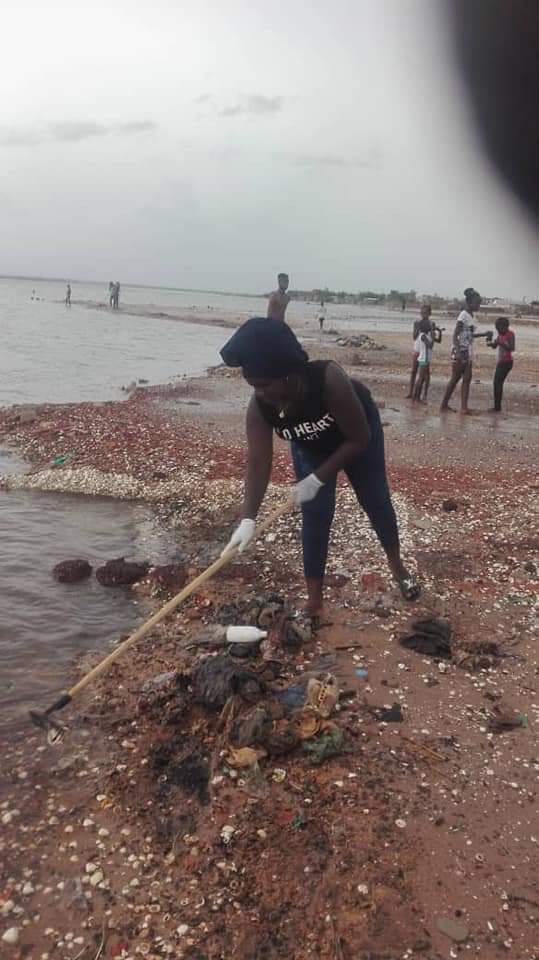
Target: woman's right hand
(242,536)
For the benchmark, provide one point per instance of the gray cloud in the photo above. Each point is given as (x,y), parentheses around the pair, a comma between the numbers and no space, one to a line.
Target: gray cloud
(74,131)
(134,126)
(230,111)
(338,160)
(70,132)
(254,104)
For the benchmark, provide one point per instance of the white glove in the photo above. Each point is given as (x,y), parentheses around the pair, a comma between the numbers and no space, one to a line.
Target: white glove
(242,536)
(306,489)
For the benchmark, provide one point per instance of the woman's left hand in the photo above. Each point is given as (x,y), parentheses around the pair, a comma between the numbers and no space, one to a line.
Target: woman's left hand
(306,489)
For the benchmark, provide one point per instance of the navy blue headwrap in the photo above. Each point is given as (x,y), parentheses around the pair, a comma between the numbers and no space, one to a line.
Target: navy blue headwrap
(265,349)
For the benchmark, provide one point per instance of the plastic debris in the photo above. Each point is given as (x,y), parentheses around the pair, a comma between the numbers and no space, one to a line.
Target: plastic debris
(293,696)
(431,637)
(452,929)
(502,717)
(244,756)
(391,714)
(216,679)
(323,694)
(245,634)
(327,745)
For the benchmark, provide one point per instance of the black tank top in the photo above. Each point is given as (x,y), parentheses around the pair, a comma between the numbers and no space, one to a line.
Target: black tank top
(313,426)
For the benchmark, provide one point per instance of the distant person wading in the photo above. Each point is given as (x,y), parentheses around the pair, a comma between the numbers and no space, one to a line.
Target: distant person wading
(114,294)
(333,424)
(321,316)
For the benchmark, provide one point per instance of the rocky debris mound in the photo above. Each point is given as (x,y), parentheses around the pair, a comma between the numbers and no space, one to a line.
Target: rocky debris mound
(434,637)
(431,637)
(362,341)
(120,572)
(164,581)
(72,571)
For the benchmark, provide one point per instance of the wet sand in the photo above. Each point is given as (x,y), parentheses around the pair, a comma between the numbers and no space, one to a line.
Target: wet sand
(419,825)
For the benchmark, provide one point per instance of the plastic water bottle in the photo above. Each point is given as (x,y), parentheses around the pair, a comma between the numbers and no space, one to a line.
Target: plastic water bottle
(245,634)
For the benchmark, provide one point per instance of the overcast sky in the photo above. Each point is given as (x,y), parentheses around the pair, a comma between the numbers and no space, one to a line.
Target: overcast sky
(210,144)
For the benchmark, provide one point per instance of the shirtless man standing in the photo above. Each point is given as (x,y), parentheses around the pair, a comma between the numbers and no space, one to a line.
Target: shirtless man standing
(279,299)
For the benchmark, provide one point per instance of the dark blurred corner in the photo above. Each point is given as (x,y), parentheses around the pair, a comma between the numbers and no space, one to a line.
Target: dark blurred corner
(497,46)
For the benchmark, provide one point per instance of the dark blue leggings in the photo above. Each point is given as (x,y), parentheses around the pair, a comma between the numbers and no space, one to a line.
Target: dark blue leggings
(367,475)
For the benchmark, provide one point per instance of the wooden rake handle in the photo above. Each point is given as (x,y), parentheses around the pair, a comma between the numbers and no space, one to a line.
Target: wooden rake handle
(171,605)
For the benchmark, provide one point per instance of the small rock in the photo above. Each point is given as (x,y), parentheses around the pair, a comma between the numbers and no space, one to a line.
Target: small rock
(27,415)
(103,832)
(27,889)
(449,505)
(227,833)
(400,824)
(96,878)
(7,907)
(452,929)
(11,936)
(72,571)
(87,822)
(159,681)
(363,889)
(182,930)
(120,572)
(90,867)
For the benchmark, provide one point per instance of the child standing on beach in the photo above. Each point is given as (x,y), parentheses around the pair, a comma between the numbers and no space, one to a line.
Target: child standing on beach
(505,342)
(427,336)
(426,311)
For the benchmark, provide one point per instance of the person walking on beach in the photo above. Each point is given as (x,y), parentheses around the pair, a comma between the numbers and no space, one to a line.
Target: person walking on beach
(505,343)
(279,299)
(425,314)
(111,293)
(116,296)
(427,335)
(462,351)
(321,316)
(68,295)
(333,424)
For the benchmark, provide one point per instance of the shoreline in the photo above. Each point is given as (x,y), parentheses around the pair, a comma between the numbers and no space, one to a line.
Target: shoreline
(414,825)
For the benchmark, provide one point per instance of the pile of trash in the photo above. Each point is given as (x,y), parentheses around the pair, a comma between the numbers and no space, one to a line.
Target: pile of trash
(261,714)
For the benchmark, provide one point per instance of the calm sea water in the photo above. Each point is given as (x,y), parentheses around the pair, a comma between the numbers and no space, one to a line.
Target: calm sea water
(44,624)
(50,353)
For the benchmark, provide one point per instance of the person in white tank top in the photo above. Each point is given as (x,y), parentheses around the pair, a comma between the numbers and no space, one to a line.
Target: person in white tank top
(424,342)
